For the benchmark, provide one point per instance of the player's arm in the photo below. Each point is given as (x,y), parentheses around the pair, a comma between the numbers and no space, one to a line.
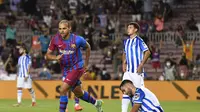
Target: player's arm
(50,56)
(124,62)
(146,52)
(146,56)
(136,107)
(87,54)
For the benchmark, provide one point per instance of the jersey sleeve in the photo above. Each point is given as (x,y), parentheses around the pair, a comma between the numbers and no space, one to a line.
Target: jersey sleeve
(138,96)
(124,44)
(29,60)
(52,44)
(143,46)
(81,42)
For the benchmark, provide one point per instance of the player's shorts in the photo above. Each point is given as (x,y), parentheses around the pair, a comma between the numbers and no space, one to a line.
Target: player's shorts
(21,83)
(73,78)
(136,78)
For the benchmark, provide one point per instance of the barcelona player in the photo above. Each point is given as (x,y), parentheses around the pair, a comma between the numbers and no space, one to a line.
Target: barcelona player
(70,57)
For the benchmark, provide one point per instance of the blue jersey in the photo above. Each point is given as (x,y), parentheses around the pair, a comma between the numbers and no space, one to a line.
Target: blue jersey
(24,62)
(71,50)
(134,50)
(148,101)
(44,42)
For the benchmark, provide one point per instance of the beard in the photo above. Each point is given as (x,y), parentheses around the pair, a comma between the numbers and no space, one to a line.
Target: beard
(130,93)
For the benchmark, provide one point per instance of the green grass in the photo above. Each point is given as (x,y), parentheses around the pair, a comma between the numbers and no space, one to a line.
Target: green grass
(109,106)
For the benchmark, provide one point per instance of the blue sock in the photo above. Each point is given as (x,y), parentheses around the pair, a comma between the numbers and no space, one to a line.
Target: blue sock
(86,97)
(76,100)
(63,103)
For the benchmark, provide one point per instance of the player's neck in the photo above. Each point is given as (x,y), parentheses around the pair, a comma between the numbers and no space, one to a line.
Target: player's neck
(24,54)
(133,36)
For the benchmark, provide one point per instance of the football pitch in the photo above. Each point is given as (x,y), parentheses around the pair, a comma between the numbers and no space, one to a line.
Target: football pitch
(109,106)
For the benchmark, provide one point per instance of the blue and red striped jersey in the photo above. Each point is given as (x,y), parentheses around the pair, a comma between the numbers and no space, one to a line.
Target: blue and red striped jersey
(71,50)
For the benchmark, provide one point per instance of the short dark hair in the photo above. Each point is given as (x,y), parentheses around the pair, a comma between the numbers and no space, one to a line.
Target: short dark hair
(124,82)
(135,24)
(25,48)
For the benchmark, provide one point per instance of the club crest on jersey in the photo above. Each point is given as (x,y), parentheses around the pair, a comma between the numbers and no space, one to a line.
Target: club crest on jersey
(136,96)
(73,46)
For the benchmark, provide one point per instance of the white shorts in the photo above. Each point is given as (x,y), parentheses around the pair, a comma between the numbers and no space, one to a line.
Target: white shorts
(137,79)
(24,84)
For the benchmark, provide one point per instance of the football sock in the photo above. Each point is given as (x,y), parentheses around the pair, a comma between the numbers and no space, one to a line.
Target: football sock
(86,97)
(125,103)
(19,96)
(32,92)
(63,103)
(76,100)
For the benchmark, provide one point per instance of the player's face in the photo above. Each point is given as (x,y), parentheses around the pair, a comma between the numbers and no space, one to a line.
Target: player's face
(64,29)
(131,30)
(127,90)
(21,51)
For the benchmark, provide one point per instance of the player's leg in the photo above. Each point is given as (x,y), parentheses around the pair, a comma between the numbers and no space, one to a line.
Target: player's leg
(32,93)
(137,79)
(125,98)
(73,80)
(28,85)
(19,97)
(84,95)
(77,106)
(63,97)
(20,85)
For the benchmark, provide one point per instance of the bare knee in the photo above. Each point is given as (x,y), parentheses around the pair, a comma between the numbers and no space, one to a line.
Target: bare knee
(64,89)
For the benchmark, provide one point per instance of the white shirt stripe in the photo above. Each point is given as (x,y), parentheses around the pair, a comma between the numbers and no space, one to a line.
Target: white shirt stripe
(134,50)
(23,63)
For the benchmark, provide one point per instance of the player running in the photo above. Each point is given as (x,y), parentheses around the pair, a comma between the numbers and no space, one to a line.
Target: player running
(72,64)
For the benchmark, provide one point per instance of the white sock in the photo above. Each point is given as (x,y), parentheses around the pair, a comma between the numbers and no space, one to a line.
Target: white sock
(19,96)
(125,103)
(32,92)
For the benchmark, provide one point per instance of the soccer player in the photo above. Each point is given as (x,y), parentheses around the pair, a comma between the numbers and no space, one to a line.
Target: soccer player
(24,80)
(70,57)
(134,57)
(143,99)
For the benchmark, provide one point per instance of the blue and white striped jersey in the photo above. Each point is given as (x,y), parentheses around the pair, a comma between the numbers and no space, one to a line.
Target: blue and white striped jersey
(23,63)
(134,50)
(147,99)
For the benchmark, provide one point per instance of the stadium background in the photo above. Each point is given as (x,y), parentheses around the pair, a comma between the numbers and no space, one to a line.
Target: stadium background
(103,24)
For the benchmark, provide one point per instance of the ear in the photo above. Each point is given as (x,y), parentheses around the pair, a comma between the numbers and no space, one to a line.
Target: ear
(70,28)
(136,30)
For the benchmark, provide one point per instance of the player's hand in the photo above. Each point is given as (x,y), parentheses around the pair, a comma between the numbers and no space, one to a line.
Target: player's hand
(58,57)
(124,67)
(139,69)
